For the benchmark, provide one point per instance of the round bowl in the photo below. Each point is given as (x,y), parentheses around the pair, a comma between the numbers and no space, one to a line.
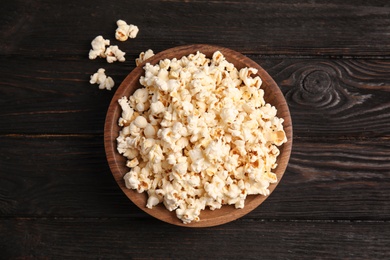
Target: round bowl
(117,162)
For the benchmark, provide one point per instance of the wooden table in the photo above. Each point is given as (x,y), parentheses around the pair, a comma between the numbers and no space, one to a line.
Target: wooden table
(58,199)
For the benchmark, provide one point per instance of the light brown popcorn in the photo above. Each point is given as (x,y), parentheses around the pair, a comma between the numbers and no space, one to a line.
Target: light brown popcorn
(199,135)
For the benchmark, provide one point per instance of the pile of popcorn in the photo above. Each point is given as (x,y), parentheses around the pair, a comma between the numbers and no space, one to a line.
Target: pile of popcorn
(199,135)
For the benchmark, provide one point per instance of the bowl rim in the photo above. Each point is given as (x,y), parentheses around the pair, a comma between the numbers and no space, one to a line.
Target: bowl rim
(116,161)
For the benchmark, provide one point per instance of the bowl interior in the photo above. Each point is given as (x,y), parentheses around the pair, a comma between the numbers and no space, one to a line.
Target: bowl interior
(117,162)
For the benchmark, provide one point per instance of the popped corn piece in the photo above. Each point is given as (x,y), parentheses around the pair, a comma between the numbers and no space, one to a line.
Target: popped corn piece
(171,197)
(157,108)
(155,155)
(127,111)
(140,122)
(124,31)
(153,199)
(268,111)
(216,151)
(199,134)
(214,188)
(150,131)
(245,76)
(279,137)
(132,163)
(100,78)
(198,161)
(180,168)
(113,53)
(98,47)
(139,96)
(228,114)
(218,58)
(134,130)
(143,56)
(188,108)
(131,178)
(190,210)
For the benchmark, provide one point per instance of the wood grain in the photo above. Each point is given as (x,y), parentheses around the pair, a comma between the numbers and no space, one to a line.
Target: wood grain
(152,239)
(330,58)
(270,28)
(335,97)
(57,175)
(355,100)
(68,176)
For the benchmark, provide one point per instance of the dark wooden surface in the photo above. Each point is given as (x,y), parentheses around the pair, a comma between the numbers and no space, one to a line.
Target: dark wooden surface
(331,59)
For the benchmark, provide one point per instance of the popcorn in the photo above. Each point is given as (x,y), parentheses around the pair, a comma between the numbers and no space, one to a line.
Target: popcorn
(140,122)
(124,31)
(100,78)
(149,131)
(199,135)
(127,111)
(113,53)
(98,47)
(228,114)
(157,108)
(245,76)
(143,56)
(132,163)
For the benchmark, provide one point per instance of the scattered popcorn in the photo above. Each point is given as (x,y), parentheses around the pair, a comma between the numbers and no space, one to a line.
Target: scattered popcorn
(199,135)
(104,82)
(98,47)
(124,31)
(144,56)
(113,53)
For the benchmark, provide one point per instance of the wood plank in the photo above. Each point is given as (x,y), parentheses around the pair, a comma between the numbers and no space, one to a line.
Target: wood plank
(50,96)
(337,97)
(58,175)
(68,176)
(327,97)
(345,180)
(58,199)
(141,239)
(268,28)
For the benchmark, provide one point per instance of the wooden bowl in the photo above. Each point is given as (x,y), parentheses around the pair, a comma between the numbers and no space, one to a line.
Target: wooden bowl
(117,162)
